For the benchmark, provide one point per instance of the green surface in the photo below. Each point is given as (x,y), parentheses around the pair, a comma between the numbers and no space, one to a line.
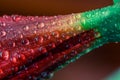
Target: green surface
(114,76)
(105,21)
(116,1)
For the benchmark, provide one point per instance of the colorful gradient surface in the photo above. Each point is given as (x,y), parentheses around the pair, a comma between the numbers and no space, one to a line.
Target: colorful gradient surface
(35,47)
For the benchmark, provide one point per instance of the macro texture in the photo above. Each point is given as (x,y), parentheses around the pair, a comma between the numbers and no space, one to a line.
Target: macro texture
(35,47)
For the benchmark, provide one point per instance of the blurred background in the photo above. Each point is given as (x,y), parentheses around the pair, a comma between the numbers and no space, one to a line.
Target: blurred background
(97,64)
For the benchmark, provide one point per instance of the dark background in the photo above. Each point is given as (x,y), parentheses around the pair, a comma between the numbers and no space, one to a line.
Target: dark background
(94,66)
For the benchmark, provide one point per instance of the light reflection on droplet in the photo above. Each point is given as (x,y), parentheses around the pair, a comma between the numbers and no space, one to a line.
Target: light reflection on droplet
(5,55)
(22,56)
(41,39)
(16,18)
(41,25)
(55,34)
(26,28)
(21,36)
(14,60)
(3,24)
(25,41)
(3,33)
(13,44)
(1,71)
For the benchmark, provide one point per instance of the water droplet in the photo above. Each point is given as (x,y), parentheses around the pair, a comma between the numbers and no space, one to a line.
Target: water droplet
(105,13)
(83,21)
(26,28)
(1,71)
(46,18)
(22,67)
(16,17)
(35,32)
(36,66)
(44,74)
(47,36)
(52,45)
(104,29)
(70,22)
(78,16)
(25,41)
(59,23)
(5,16)
(55,34)
(29,77)
(41,39)
(3,24)
(116,42)
(67,37)
(63,35)
(55,16)
(14,68)
(3,33)
(36,39)
(31,18)
(26,69)
(74,34)
(53,23)
(42,49)
(21,56)
(60,40)
(67,46)
(14,60)
(41,25)
(11,44)
(79,28)
(21,36)
(32,50)
(71,28)
(35,78)
(5,55)
(97,35)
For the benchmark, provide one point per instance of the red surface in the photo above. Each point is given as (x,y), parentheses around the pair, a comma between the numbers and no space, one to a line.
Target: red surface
(29,41)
